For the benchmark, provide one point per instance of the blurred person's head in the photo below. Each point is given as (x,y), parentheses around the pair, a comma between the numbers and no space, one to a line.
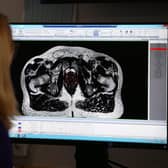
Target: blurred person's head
(7,98)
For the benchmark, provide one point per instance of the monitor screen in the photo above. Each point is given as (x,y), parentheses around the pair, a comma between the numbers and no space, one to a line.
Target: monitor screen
(91,82)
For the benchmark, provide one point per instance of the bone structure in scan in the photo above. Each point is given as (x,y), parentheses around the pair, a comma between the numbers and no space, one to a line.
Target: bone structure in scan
(71,81)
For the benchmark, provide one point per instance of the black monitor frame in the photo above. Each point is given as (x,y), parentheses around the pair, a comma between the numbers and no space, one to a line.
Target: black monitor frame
(79,142)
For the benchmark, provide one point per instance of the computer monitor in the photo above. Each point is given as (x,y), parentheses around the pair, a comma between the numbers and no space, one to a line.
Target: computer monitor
(91,82)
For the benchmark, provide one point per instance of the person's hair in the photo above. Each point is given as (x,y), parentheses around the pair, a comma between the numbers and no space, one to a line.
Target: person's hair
(7,97)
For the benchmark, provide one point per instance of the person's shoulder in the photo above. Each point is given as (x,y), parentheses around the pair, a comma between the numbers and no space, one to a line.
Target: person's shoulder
(5,148)
(3,132)
(1,126)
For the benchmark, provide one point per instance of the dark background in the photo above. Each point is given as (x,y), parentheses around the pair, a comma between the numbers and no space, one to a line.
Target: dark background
(132,57)
(93,1)
(50,156)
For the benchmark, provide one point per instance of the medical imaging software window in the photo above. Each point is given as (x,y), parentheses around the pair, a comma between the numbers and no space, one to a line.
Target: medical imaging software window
(91,81)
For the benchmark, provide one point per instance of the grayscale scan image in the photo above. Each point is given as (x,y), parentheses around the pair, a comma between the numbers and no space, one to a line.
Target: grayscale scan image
(73,81)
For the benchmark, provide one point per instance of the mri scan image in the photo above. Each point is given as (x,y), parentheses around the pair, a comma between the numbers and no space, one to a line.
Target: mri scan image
(71,81)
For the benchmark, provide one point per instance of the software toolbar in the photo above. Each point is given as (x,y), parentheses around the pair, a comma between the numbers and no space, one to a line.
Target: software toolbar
(56,32)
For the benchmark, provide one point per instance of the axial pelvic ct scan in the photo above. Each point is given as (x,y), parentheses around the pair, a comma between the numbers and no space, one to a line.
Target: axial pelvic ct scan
(72,82)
